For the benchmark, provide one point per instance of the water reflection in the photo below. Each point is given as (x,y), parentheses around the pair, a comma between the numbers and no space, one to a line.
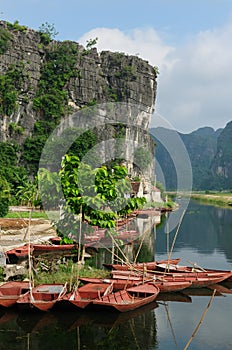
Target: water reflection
(204,229)
(95,330)
(205,237)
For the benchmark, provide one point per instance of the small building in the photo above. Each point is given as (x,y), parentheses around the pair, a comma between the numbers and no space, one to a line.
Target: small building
(145,189)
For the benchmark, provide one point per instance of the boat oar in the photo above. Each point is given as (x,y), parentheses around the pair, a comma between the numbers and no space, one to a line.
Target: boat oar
(109,289)
(63,291)
(196,265)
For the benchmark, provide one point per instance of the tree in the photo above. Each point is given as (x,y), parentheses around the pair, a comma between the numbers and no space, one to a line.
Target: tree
(98,195)
(4,196)
(47,32)
(27,193)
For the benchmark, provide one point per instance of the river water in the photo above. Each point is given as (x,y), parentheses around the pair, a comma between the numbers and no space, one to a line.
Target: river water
(205,237)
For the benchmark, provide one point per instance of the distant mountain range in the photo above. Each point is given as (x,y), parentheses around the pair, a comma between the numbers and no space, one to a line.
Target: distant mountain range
(210,153)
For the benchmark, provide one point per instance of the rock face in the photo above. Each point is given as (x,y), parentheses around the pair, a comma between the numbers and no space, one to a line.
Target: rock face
(45,82)
(222,164)
(210,155)
(100,77)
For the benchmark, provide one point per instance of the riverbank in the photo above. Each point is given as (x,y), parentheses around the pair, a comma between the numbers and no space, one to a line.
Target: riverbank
(219,199)
(223,199)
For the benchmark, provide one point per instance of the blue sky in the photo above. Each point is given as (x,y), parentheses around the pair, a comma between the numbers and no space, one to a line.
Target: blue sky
(189,41)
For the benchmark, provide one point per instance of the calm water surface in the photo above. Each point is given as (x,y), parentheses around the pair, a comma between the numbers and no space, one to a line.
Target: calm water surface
(205,237)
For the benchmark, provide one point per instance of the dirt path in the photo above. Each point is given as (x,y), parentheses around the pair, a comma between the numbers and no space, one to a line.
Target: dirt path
(16,232)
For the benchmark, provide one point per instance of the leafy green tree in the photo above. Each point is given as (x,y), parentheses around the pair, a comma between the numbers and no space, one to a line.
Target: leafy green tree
(99,195)
(27,193)
(49,188)
(4,196)
(47,32)
(10,169)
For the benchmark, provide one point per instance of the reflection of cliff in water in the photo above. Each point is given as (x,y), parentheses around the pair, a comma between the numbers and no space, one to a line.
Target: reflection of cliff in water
(203,228)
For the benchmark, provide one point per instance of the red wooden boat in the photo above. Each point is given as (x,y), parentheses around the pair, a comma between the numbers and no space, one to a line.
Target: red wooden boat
(128,282)
(83,296)
(191,269)
(198,279)
(11,291)
(141,266)
(39,249)
(42,297)
(128,299)
(20,253)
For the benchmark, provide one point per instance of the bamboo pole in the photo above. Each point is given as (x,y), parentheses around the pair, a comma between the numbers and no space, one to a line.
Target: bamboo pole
(140,246)
(116,244)
(31,280)
(174,239)
(29,225)
(79,251)
(170,323)
(201,320)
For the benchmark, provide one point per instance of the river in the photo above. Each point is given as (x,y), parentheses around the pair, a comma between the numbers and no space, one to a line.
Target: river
(205,237)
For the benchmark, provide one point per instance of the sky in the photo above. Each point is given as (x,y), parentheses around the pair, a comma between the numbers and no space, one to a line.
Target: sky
(190,41)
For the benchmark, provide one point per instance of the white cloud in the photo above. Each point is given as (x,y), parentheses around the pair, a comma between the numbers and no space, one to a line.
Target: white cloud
(196,91)
(145,43)
(195,81)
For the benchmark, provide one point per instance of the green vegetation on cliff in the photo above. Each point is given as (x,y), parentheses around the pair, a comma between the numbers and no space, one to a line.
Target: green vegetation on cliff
(43,81)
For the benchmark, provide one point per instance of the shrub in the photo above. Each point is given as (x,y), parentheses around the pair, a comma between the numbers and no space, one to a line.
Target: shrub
(5,38)
(4,196)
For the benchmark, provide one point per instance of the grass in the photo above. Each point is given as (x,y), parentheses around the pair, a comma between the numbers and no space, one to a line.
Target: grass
(216,198)
(68,272)
(168,204)
(26,215)
(62,273)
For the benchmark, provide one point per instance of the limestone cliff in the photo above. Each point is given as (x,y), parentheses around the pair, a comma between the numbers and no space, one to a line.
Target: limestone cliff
(222,164)
(97,77)
(45,82)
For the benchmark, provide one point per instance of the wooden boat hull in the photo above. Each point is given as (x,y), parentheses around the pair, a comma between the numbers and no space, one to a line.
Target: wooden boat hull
(21,253)
(8,301)
(128,300)
(42,297)
(198,279)
(118,284)
(37,305)
(83,296)
(172,268)
(18,254)
(11,291)
(141,266)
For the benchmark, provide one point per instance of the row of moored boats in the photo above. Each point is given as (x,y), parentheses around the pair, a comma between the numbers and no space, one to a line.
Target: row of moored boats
(129,287)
